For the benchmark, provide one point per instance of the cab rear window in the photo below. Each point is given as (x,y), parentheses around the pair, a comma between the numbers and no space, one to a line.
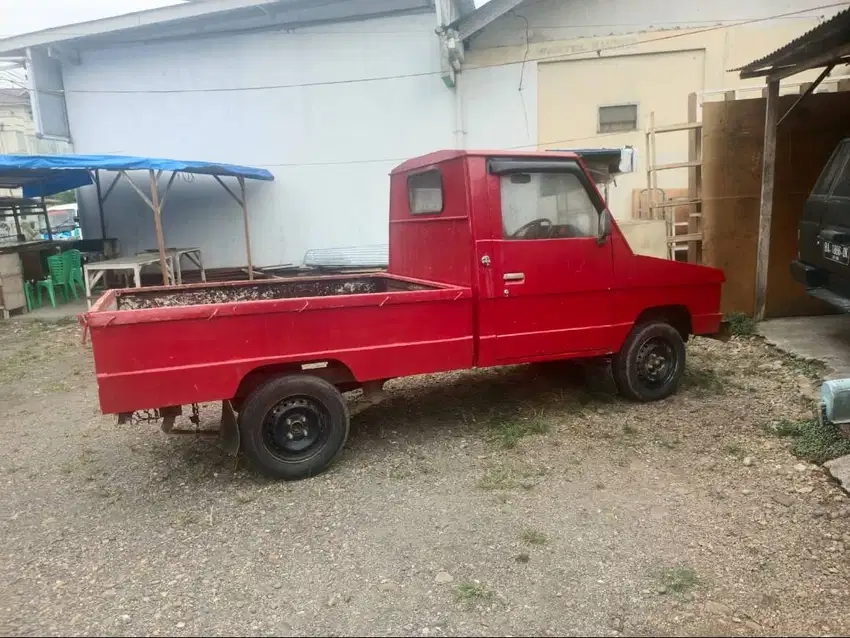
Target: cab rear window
(425,192)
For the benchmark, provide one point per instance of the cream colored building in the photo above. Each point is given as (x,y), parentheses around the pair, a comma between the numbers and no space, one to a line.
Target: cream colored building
(588,73)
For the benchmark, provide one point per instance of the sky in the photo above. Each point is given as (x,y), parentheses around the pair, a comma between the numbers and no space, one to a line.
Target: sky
(24,16)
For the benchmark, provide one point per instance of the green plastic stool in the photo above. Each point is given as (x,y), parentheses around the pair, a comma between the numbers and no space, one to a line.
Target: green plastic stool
(74,269)
(58,280)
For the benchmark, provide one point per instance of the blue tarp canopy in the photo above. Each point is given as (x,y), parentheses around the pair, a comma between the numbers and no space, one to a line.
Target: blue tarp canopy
(44,175)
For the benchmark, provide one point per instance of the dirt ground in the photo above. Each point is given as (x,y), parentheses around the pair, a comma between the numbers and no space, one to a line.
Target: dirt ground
(508,501)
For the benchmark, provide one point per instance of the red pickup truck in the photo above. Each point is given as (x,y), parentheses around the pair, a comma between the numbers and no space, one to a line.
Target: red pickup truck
(495,258)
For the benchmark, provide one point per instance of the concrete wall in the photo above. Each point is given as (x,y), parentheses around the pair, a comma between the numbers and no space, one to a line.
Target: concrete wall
(732,147)
(329,137)
(581,55)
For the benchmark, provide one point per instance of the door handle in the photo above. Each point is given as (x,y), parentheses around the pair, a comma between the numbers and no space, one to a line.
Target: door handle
(514,276)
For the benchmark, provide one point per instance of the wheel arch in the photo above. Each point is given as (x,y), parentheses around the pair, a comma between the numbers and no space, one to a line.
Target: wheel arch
(676,315)
(333,371)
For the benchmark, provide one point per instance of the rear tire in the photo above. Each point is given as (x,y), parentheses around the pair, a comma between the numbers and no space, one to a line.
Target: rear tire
(650,364)
(293,427)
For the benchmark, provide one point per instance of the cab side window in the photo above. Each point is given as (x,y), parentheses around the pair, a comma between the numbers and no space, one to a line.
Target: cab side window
(546,206)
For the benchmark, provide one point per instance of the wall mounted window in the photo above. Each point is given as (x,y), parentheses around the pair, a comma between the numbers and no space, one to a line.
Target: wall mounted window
(47,94)
(425,192)
(618,118)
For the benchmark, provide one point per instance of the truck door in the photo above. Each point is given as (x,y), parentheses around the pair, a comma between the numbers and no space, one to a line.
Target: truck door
(552,274)
(829,207)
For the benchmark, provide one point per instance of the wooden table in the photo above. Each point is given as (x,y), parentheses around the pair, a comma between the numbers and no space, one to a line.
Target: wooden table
(192,254)
(94,271)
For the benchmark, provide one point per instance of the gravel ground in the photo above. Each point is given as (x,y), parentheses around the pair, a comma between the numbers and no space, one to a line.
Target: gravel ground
(507,501)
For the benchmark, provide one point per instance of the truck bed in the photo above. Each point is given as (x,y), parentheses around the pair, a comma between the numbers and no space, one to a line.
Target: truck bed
(137,299)
(167,346)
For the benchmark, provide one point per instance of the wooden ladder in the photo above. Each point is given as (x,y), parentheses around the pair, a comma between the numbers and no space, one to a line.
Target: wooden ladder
(682,236)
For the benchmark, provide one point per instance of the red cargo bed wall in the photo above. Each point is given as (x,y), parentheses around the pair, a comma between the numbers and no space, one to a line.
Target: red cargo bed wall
(435,247)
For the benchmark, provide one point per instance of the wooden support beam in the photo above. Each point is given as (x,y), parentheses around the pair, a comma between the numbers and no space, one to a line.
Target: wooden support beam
(157,218)
(768,173)
(811,86)
(247,234)
(100,204)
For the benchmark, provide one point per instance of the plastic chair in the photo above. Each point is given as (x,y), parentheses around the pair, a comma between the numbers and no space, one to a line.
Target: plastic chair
(74,267)
(29,294)
(58,279)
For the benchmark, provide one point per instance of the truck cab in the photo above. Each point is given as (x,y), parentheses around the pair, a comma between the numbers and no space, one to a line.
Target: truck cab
(823,263)
(531,235)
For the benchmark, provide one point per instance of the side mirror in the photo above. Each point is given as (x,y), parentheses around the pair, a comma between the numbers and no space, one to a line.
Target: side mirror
(604,227)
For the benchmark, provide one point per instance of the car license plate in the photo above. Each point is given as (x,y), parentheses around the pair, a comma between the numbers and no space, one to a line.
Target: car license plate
(836,252)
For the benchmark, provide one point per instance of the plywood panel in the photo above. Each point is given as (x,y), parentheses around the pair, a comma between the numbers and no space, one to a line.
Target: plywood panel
(733,134)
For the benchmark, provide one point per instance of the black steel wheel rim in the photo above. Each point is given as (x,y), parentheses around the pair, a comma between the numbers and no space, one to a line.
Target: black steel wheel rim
(656,363)
(296,428)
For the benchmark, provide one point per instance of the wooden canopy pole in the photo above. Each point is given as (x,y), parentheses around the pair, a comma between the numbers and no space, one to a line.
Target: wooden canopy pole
(768,173)
(157,218)
(100,204)
(247,234)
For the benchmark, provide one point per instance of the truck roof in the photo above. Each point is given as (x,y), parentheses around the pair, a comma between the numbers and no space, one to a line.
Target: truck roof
(441,156)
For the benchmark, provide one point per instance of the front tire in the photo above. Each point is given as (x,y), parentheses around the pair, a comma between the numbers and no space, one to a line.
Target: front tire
(650,364)
(294,426)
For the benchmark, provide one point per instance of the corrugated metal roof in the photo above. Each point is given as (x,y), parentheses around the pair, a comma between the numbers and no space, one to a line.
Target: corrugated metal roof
(824,38)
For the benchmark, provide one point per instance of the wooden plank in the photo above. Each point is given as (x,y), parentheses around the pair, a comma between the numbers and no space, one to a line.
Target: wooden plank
(681,239)
(667,167)
(768,174)
(695,182)
(672,203)
(687,126)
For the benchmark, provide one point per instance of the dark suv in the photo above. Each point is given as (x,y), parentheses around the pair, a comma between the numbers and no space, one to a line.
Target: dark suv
(823,263)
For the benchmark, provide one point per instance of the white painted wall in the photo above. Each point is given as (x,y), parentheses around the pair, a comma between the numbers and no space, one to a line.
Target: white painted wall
(499,107)
(330,145)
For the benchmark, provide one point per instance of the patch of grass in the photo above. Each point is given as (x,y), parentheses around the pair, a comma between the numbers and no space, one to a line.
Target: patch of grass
(244,498)
(186,519)
(669,443)
(703,380)
(679,579)
(733,449)
(533,537)
(818,442)
(783,428)
(504,478)
(741,324)
(500,479)
(508,431)
(472,592)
